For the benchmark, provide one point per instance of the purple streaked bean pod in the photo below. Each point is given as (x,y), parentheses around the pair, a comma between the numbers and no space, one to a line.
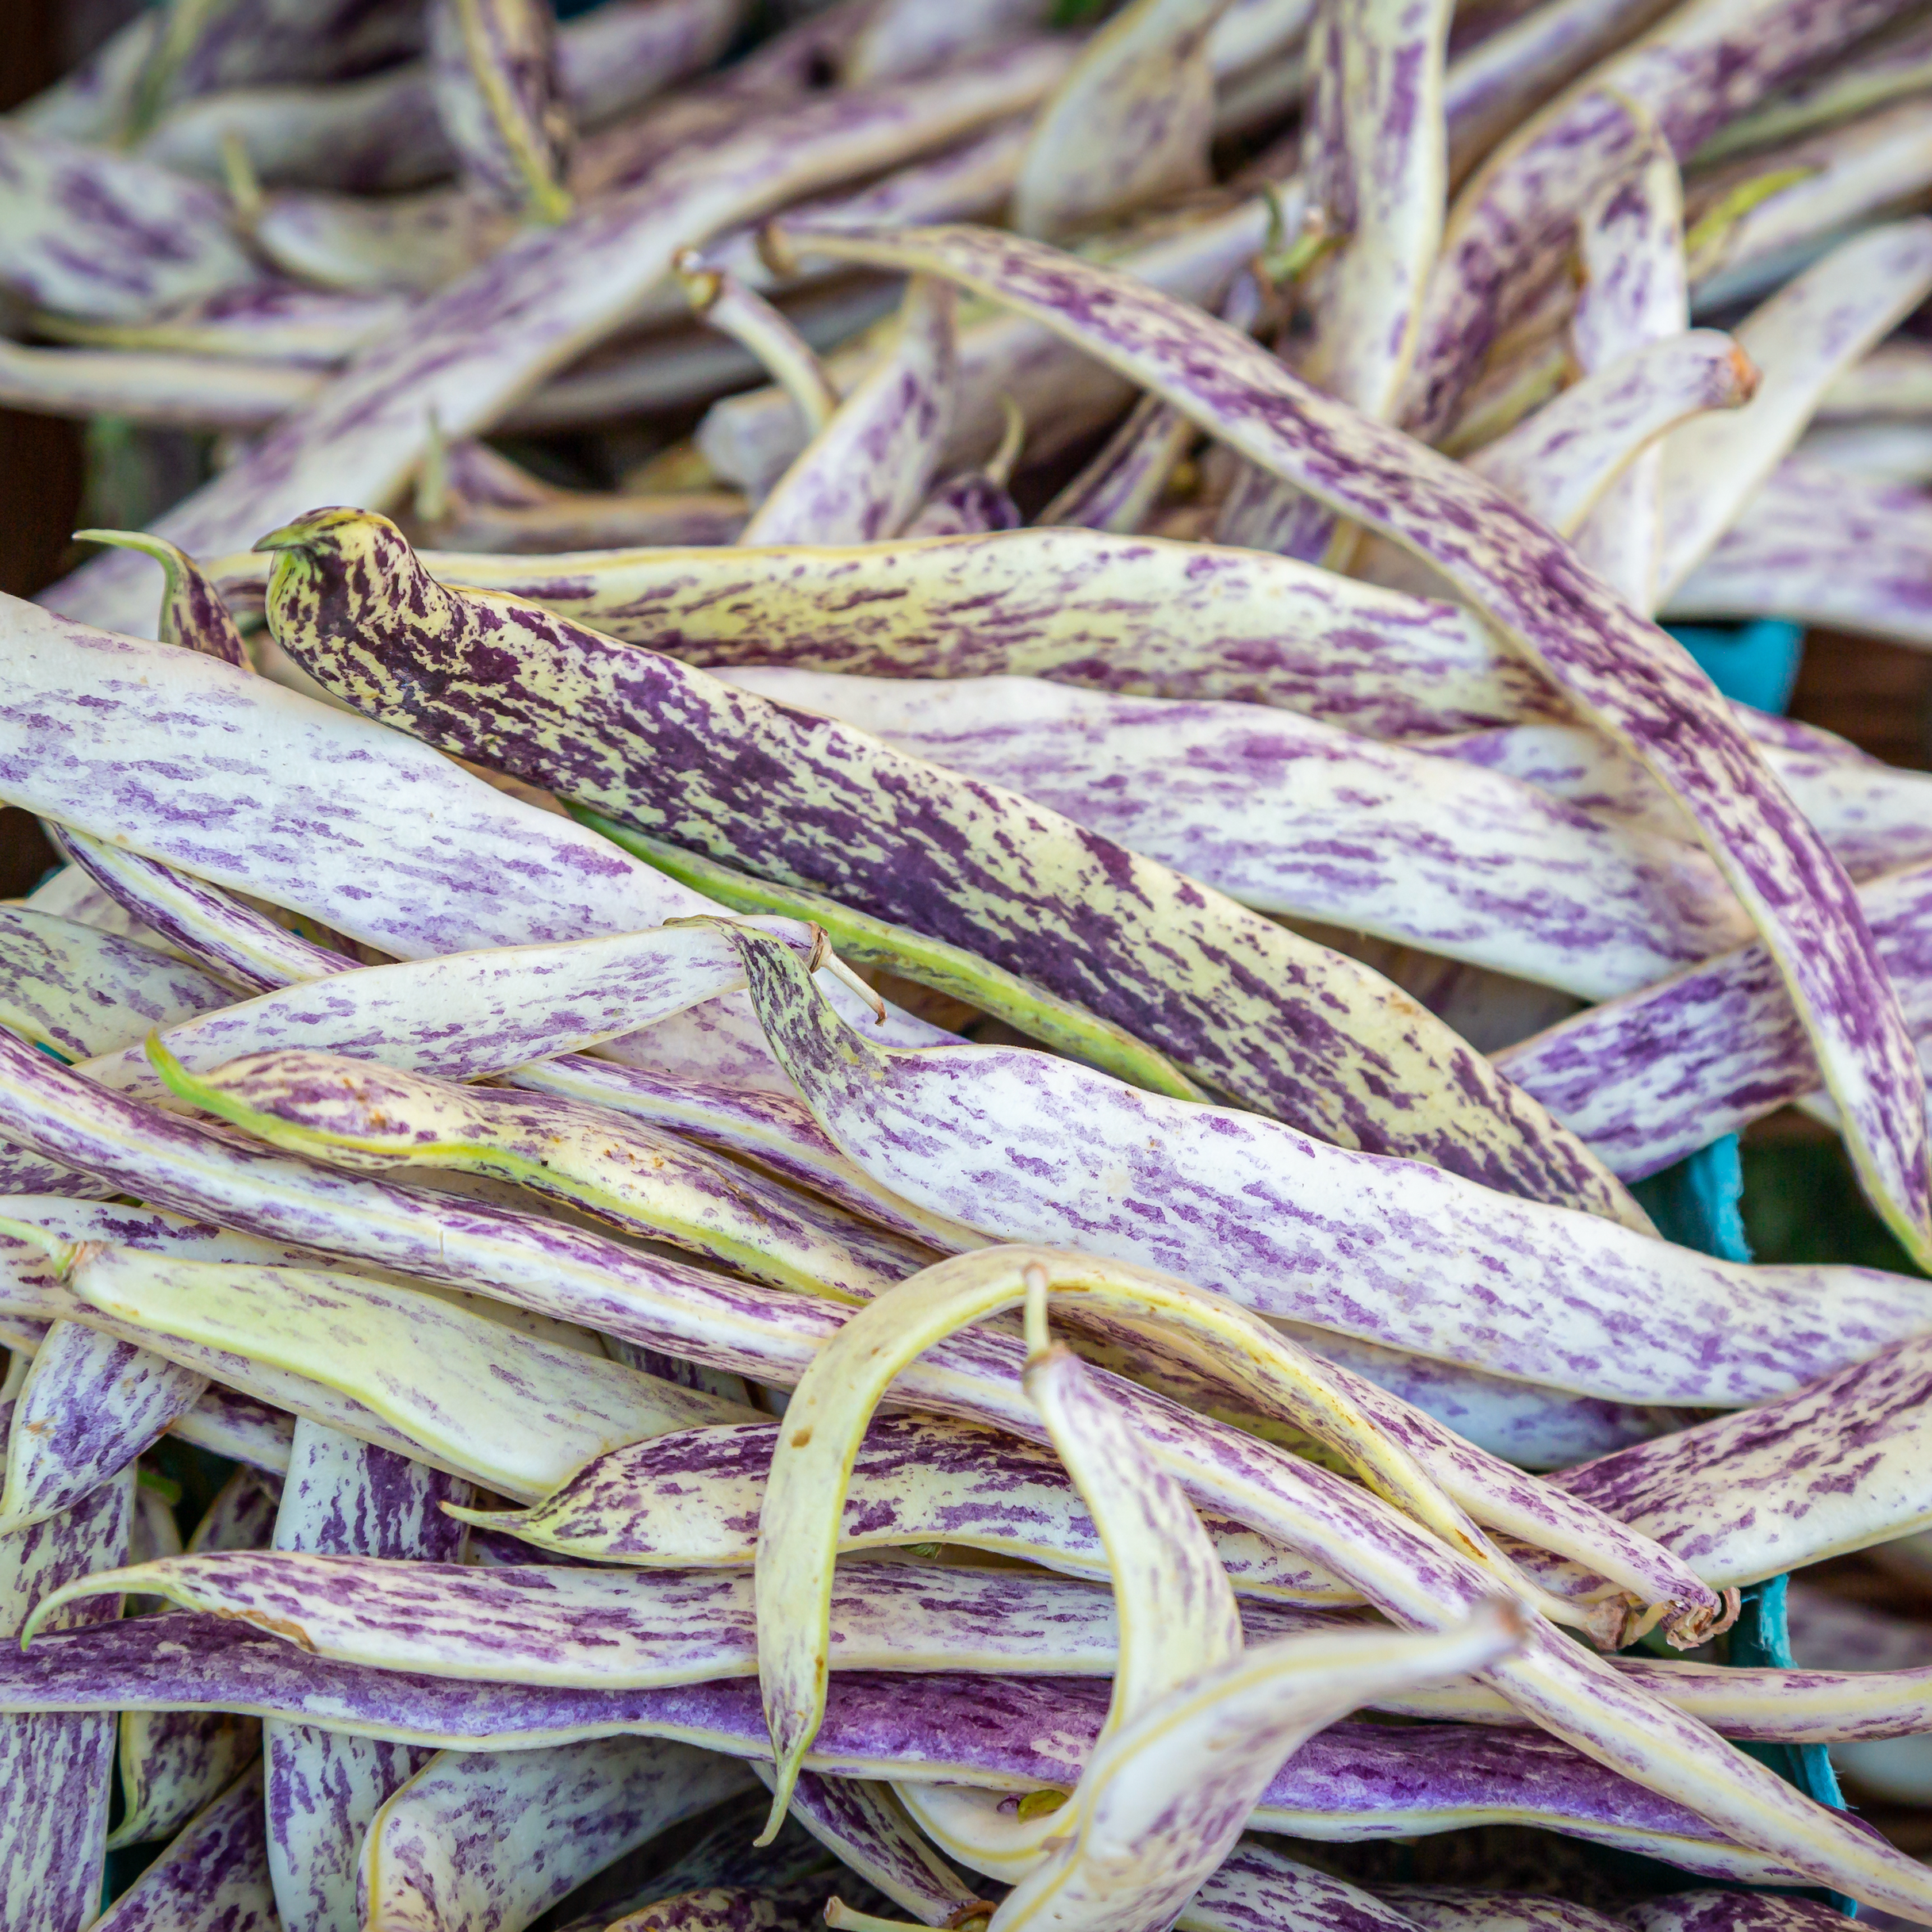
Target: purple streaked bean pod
(1302,819)
(1838,1466)
(88,1407)
(917,37)
(1118,488)
(1141,615)
(89,232)
(58,1770)
(1639,686)
(619,1630)
(468,1395)
(1656,1074)
(693,1496)
(214,1877)
(370,1118)
(323,1788)
(648,739)
(1354,1780)
(1559,462)
(1441,1908)
(153,386)
(867,470)
(868,1828)
(493,77)
(83,992)
(1703,65)
(252,1433)
(479,1840)
(1804,335)
(987,1134)
(527,312)
(1258,1888)
(1630,245)
(1894,380)
(1833,550)
(1842,179)
(1130,124)
(1728,1911)
(1373,157)
(396,247)
(193,613)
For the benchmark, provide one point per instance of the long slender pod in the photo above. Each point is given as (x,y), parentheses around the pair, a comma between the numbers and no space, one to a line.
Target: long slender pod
(865,473)
(213,1877)
(646,737)
(175,1763)
(58,1770)
(494,336)
(653,1301)
(1375,154)
(494,78)
(482,1839)
(90,1406)
(1643,689)
(323,1788)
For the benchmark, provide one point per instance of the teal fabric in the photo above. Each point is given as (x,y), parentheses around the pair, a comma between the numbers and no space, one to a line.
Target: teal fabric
(1755,663)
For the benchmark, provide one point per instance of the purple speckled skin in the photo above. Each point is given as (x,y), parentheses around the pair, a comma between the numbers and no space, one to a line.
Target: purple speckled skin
(90,1406)
(242,945)
(864,475)
(485,1841)
(1230,996)
(1706,65)
(84,992)
(471,351)
(1655,1075)
(1298,817)
(1627,675)
(90,233)
(213,1878)
(1729,1911)
(588,1279)
(57,1771)
(1120,485)
(964,505)
(1831,549)
(1259,1889)
(1014,1732)
(1029,1147)
(1838,1466)
(1116,613)
(869,1830)
(341,1497)
(1556,463)
(694,1496)
(494,78)
(1440,1908)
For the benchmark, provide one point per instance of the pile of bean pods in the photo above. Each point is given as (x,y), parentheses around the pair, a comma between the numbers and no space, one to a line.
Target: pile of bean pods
(869,1108)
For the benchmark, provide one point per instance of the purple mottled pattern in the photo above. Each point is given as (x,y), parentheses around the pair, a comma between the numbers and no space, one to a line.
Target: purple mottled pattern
(964,505)
(1029,1147)
(1300,818)
(1626,675)
(1558,461)
(212,1878)
(90,1406)
(490,337)
(1842,551)
(85,231)
(1233,998)
(57,1770)
(1258,1888)
(586,1277)
(1658,1074)
(323,1788)
(1715,60)
(1116,613)
(486,1841)
(85,992)
(1838,1466)
(1442,1908)
(864,475)
(1728,1911)
(1120,485)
